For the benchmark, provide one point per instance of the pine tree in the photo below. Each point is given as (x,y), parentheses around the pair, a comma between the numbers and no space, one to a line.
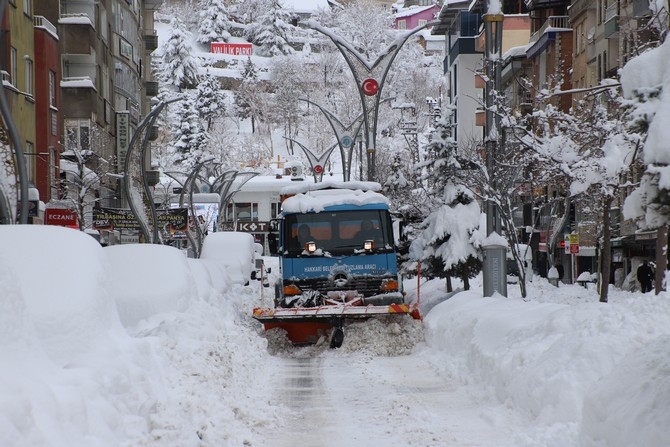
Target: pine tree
(210,100)
(248,94)
(441,157)
(214,24)
(444,243)
(190,137)
(179,67)
(271,31)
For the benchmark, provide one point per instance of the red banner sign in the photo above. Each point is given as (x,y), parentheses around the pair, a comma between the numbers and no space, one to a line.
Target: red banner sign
(64,218)
(234,49)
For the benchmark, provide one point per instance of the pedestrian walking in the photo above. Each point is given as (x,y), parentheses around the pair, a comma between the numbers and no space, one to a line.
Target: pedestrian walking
(645,275)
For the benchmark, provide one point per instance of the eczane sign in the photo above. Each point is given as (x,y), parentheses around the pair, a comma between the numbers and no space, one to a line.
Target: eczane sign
(233,49)
(64,218)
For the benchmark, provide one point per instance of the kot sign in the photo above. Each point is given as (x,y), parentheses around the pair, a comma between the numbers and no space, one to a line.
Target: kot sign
(234,49)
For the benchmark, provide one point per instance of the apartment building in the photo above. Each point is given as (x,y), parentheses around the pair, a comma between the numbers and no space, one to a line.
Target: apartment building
(570,45)
(69,67)
(17,59)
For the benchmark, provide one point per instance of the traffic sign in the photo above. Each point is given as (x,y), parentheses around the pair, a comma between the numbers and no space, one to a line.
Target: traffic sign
(346,140)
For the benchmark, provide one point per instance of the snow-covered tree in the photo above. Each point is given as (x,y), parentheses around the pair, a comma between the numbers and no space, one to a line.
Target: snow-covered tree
(210,100)
(593,149)
(190,136)
(85,176)
(251,96)
(214,24)
(367,25)
(449,242)
(289,86)
(180,67)
(272,30)
(438,243)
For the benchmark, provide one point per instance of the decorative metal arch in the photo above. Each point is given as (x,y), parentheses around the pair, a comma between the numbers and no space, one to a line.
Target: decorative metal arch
(363,71)
(315,159)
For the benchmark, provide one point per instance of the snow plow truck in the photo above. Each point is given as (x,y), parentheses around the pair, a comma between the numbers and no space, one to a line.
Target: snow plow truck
(337,259)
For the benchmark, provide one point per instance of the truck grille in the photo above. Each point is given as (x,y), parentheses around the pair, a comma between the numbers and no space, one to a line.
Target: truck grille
(366,286)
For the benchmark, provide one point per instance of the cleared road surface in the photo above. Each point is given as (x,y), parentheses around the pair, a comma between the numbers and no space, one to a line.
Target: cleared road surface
(356,399)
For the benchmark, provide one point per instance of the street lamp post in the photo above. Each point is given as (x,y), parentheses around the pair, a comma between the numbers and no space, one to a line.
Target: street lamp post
(134,175)
(495,251)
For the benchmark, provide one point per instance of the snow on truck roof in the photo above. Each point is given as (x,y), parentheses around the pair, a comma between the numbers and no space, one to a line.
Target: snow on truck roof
(302,187)
(315,197)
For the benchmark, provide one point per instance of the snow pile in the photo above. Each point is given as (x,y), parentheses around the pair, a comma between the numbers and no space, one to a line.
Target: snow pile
(189,366)
(157,280)
(73,375)
(586,374)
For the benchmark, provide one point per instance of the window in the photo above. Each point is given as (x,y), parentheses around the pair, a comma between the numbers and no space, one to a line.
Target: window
(30,81)
(30,160)
(52,88)
(12,69)
(77,135)
(54,122)
(53,184)
(402,24)
(275,209)
(578,38)
(242,211)
(27,10)
(422,22)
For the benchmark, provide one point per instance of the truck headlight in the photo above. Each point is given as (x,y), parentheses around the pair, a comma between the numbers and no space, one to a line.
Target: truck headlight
(310,247)
(369,245)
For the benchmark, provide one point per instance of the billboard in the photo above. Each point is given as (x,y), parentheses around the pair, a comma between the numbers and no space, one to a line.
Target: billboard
(120,219)
(233,49)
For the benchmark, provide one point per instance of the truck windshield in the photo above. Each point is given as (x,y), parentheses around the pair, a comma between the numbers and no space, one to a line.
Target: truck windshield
(338,232)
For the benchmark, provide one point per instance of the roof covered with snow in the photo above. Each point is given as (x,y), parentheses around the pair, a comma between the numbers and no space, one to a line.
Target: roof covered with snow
(318,200)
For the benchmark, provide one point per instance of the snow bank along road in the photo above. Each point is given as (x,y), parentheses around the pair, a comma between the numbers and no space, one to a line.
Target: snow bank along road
(357,396)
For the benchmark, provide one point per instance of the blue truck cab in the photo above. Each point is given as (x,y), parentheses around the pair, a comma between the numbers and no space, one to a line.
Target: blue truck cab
(336,244)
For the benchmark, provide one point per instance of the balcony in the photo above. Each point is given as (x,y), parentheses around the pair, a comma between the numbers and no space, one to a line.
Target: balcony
(151,88)
(42,22)
(611,28)
(150,41)
(79,72)
(75,12)
(560,22)
(463,45)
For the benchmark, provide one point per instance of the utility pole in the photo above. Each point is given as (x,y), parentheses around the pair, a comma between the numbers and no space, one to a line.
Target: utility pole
(495,247)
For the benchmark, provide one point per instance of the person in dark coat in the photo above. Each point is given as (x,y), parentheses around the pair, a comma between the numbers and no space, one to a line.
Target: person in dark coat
(645,275)
(559,269)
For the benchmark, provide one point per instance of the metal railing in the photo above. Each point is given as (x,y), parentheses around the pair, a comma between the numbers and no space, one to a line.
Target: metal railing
(611,12)
(43,22)
(552,22)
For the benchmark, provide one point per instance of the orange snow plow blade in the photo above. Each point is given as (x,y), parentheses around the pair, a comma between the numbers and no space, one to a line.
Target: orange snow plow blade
(306,325)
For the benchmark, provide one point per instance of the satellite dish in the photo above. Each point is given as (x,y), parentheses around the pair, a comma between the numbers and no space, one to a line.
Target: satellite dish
(591,34)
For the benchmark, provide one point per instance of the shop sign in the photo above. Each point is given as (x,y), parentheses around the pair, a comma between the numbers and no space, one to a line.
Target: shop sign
(61,217)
